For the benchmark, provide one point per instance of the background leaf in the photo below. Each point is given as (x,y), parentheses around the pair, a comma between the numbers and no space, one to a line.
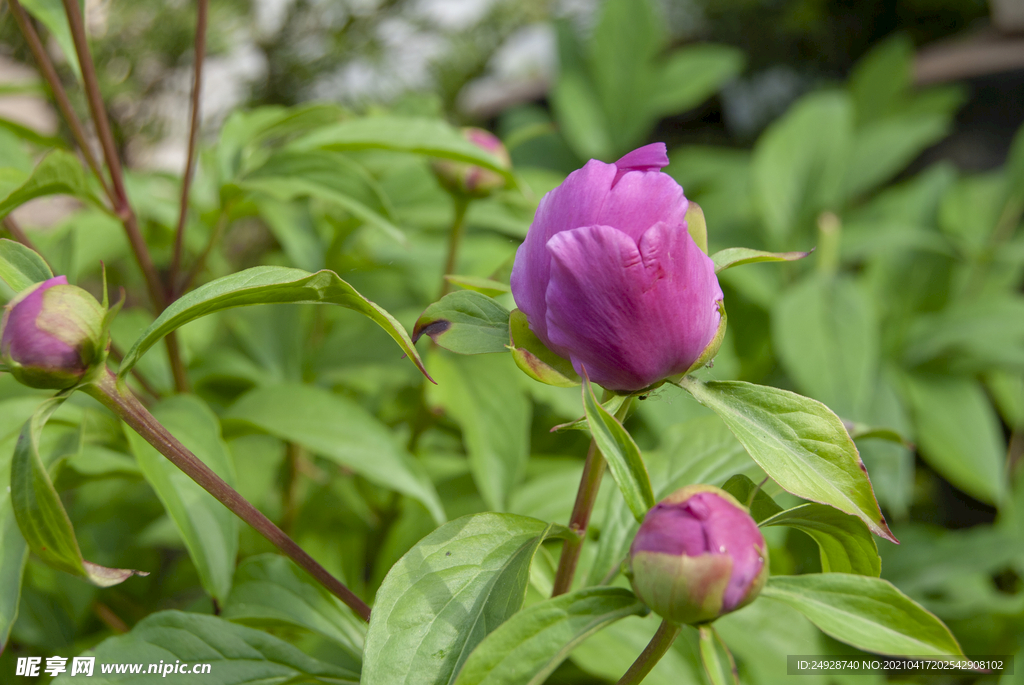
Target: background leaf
(958,433)
(209,530)
(21,267)
(528,647)
(341,430)
(270,590)
(483,395)
(58,173)
(237,655)
(446,594)
(868,613)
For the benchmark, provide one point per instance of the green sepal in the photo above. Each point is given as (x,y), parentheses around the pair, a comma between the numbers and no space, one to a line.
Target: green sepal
(535,359)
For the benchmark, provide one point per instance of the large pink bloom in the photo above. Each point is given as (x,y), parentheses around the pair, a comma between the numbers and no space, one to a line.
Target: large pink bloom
(609,277)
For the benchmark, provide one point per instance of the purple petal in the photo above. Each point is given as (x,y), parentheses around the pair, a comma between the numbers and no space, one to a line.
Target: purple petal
(651,157)
(630,315)
(731,531)
(22,339)
(671,529)
(587,198)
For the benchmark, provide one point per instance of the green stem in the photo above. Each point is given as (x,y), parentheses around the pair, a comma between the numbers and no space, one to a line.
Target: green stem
(586,495)
(461,203)
(652,653)
(119,399)
(193,137)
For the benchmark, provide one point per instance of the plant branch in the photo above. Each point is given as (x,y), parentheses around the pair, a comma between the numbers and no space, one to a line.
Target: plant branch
(461,203)
(122,206)
(652,653)
(106,137)
(193,136)
(60,96)
(586,495)
(120,400)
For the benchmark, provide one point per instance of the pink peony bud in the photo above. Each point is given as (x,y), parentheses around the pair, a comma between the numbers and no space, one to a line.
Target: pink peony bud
(609,277)
(51,334)
(469,179)
(698,555)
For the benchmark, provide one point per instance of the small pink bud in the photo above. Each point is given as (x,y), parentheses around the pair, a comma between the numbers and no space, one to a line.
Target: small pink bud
(698,555)
(469,179)
(51,334)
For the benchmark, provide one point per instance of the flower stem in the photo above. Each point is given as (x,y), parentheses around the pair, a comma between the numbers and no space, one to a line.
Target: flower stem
(652,653)
(119,399)
(586,495)
(193,136)
(119,197)
(461,203)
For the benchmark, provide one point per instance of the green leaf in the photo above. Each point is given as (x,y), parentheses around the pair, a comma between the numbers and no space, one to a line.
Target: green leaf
(528,647)
(750,495)
(465,322)
(620,451)
(827,337)
(21,267)
(580,118)
(691,75)
(798,163)
(483,395)
(845,542)
(446,594)
(14,413)
(41,516)
(621,53)
(882,78)
(209,530)
(883,148)
(799,442)
(30,135)
(237,655)
(341,430)
(738,256)
(423,136)
(50,14)
(266,285)
(868,613)
(292,226)
(535,359)
(328,176)
(484,286)
(59,173)
(715,657)
(958,433)
(270,590)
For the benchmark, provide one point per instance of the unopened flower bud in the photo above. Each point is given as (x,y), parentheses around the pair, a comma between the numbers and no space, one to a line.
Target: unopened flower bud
(52,334)
(698,555)
(470,179)
(610,278)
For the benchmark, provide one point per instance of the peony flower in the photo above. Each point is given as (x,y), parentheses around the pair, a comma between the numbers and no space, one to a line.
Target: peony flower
(51,334)
(698,555)
(610,279)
